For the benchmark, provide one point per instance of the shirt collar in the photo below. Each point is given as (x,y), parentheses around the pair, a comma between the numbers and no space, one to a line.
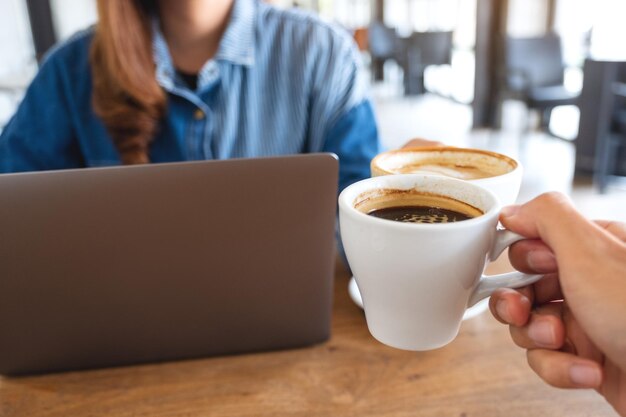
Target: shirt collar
(237,44)
(165,71)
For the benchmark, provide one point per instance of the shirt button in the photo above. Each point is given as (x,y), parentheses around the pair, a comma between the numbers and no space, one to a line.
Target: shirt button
(198,114)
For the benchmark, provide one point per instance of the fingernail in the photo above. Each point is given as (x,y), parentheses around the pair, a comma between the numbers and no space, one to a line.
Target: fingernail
(541,260)
(542,333)
(503,310)
(509,211)
(585,375)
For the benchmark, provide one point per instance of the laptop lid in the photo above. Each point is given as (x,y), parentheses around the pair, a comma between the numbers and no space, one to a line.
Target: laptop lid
(114,266)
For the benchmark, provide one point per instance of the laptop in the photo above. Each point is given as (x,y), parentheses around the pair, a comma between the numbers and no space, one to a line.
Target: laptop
(124,265)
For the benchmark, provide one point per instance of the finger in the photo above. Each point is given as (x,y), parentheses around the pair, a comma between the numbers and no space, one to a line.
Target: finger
(510,306)
(547,289)
(513,306)
(548,217)
(532,256)
(419,143)
(564,370)
(617,229)
(544,329)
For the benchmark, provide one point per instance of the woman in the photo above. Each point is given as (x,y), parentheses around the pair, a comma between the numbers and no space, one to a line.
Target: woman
(172,80)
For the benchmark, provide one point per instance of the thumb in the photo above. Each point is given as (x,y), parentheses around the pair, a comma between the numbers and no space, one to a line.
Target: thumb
(552,218)
(579,245)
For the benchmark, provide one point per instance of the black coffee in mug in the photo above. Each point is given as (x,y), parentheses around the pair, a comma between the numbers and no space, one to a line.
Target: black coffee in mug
(420,214)
(414,206)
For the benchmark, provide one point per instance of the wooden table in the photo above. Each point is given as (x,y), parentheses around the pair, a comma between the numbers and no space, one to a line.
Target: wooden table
(480,374)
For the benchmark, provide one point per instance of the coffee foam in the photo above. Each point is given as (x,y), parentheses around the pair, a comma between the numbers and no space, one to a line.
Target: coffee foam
(465,164)
(388,197)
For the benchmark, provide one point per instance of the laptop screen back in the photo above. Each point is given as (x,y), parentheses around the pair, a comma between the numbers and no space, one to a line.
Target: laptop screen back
(116,266)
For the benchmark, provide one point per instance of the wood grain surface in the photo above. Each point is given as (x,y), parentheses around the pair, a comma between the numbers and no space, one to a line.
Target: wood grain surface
(480,374)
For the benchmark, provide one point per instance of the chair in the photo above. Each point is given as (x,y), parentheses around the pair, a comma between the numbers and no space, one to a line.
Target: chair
(383,45)
(611,147)
(421,50)
(533,72)
(41,26)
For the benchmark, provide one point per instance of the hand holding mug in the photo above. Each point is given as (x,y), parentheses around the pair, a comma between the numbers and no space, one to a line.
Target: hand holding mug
(417,142)
(573,323)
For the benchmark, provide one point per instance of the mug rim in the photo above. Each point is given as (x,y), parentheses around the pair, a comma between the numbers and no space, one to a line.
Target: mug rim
(348,195)
(516,166)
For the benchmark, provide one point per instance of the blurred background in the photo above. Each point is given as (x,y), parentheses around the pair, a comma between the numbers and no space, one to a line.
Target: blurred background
(541,80)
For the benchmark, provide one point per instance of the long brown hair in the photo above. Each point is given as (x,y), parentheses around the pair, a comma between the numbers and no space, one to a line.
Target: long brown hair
(126,94)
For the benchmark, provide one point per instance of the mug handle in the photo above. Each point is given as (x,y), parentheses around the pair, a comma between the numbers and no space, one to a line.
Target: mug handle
(488,284)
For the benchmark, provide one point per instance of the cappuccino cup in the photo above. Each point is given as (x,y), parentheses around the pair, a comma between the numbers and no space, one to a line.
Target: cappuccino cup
(498,173)
(418,277)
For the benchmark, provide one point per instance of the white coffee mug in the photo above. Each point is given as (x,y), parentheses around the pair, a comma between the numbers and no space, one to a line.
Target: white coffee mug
(417,280)
(496,172)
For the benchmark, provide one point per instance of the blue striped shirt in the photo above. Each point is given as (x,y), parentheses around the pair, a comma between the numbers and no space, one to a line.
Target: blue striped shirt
(282,82)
